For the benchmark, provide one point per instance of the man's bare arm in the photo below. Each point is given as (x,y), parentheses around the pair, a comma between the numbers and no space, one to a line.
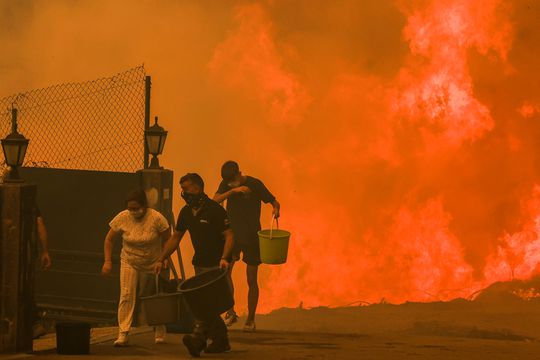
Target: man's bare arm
(44,243)
(219,198)
(170,246)
(42,234)
(276,208)
(229,244)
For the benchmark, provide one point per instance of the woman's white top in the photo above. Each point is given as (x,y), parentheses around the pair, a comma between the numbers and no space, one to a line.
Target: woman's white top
(141,242)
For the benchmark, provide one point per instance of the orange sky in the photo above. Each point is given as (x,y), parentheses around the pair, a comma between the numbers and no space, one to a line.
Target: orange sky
(400,136)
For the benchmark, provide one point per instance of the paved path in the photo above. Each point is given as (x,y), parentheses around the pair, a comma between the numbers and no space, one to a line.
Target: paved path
(266,345)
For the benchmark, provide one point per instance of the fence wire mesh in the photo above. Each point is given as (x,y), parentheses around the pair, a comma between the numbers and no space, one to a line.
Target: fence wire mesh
(94,125)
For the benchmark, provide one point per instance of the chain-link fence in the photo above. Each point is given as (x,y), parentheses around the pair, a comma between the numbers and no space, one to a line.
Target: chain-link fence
(94,125)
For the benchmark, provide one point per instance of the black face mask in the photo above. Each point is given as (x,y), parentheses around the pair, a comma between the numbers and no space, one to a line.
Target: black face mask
(194,200)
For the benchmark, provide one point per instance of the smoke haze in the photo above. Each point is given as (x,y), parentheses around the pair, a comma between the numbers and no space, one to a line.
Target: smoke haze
(399,136)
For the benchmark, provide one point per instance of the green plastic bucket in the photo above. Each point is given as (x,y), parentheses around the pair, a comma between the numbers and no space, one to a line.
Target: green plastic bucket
(274,245)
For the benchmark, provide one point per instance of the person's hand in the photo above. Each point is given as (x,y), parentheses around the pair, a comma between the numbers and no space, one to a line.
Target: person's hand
(166,264)
(45,260)
(223,264)
(242,190)
(275,212)
(158,266)
(107,268)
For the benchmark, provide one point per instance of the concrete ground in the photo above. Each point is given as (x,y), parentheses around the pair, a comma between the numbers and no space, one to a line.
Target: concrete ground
(494,326)
(266,345)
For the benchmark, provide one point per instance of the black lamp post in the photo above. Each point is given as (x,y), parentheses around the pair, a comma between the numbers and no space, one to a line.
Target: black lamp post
(155,137)
(14,146)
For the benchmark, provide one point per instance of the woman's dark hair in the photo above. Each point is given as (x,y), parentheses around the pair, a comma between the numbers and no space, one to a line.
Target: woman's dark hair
(194,178)
(138,196)
(229,170)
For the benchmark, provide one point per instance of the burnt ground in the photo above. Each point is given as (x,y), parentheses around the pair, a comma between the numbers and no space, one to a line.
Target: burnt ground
(497,313)
(497,324)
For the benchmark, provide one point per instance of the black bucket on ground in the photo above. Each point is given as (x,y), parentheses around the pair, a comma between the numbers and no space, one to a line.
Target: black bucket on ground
(208,293)
(73,338)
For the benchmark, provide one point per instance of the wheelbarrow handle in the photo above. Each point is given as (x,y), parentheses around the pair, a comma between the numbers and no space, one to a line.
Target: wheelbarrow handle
(173,269)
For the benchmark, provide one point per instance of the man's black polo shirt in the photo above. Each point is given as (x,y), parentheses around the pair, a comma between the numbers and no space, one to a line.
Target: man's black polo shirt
(206,232)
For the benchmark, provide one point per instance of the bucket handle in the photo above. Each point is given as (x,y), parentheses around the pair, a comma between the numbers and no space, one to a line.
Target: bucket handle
(175,274)
(157,284)
(274,218)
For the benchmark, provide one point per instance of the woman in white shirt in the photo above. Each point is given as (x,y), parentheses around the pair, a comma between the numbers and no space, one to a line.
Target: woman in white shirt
(143,231)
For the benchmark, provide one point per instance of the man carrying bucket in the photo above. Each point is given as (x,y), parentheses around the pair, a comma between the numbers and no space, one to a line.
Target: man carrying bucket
(213,242)
(244,195)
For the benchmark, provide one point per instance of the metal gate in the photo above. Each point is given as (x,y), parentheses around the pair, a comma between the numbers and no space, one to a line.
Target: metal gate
(86,144)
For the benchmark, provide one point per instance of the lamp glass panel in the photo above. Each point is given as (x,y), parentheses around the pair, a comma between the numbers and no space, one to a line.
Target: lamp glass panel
(11,153)
(153,143)
(162,139)
(22,154)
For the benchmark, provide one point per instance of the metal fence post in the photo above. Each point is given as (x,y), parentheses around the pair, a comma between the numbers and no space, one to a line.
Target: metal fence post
(147,88)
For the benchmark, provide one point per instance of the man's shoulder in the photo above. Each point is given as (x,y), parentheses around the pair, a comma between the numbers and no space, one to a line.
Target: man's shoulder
(184,211)
(184,208)
(211,204)
(215,208)
(252,180)
(223,186)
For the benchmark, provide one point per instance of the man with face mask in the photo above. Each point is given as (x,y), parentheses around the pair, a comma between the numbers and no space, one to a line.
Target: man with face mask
(212,241)
(244,195)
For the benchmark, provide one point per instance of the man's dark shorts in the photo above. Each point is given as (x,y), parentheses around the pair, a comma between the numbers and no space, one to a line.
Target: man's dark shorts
(250,252)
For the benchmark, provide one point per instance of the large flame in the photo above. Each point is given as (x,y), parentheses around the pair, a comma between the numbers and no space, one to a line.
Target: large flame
(381,177)
(399,136)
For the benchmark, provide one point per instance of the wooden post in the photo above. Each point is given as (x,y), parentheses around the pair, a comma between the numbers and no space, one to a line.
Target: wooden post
(17,264)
